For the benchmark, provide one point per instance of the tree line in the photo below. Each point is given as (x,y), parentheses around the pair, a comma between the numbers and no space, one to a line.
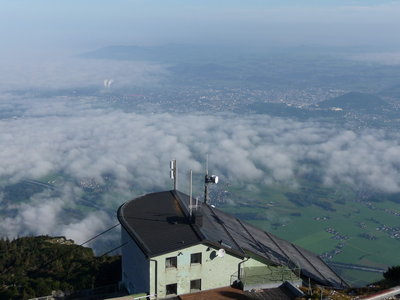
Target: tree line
(36,266)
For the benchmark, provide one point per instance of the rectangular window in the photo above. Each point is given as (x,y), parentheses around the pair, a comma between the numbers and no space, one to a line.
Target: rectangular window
(195,258)
(171,262)
(171,289)
(195,285)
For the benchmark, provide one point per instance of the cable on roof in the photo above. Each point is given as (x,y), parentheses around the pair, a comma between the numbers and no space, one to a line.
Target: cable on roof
(105,253)
(89,240)
(96,236)
(120,246)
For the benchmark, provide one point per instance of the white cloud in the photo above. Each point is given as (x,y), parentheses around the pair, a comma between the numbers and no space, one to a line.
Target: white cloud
(136,148)
(83,230)
(87,143)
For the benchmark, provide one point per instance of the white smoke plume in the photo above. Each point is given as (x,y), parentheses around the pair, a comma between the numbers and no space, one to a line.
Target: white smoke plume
(75,73)
(107,83)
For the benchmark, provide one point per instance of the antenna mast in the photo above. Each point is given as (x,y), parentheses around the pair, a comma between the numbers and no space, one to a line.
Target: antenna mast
(205,182)
(174,172)
(190,193)
(208,179)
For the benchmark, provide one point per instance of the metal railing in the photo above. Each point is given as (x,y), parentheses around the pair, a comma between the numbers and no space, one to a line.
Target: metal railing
(266,275)
(148,297)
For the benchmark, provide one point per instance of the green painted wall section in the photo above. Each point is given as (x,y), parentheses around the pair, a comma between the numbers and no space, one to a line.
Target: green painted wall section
(256,271)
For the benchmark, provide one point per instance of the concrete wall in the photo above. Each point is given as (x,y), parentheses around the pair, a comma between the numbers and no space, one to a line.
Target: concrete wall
(135,266)
(214,271)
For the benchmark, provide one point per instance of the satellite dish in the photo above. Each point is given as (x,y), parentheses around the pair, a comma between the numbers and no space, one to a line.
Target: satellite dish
(221,253)
(214,178)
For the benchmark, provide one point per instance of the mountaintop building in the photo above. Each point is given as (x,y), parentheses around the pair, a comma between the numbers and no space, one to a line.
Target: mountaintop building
(173,248)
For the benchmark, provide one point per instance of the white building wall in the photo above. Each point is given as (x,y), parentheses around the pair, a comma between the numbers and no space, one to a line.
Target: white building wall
(135,266)
(214,271)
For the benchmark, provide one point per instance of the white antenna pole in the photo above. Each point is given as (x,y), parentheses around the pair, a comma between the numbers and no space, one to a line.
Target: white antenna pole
(176,176)
(190,193)
(174,172)
(207,164)
(206,182)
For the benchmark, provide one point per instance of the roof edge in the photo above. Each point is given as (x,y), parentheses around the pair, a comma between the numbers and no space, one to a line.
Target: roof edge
(132,232)
(178,248)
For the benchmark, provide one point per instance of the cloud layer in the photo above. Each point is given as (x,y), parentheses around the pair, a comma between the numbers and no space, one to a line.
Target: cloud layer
(82,142)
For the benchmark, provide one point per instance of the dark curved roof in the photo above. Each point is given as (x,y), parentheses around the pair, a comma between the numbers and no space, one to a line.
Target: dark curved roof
(157,222)
(160,223)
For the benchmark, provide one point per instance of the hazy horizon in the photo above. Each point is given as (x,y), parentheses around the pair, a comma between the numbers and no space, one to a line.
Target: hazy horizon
(47,27)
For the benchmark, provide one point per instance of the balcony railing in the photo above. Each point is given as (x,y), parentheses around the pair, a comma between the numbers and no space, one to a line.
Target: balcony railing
(265,275)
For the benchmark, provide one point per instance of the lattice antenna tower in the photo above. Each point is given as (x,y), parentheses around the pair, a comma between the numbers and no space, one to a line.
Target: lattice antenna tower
(207,180)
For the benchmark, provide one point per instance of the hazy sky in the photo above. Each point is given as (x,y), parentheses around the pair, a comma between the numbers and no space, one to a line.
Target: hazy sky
(42,26)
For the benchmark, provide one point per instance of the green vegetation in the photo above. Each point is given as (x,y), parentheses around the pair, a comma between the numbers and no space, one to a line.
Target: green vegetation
(19,192)
(338,224)
(358,278)
(36,266)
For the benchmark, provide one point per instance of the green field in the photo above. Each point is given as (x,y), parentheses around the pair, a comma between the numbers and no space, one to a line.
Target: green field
(306,214)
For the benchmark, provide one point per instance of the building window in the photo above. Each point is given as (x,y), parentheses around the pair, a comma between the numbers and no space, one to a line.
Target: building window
(171,262)
(195,285)
(171,289)
(195,258)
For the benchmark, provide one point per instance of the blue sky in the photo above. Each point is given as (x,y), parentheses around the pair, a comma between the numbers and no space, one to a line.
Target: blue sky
(80,25)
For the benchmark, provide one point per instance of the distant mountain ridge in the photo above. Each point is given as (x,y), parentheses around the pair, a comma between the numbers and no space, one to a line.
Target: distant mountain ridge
(164,53)
(125,53)
(393,92)
(355,101)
